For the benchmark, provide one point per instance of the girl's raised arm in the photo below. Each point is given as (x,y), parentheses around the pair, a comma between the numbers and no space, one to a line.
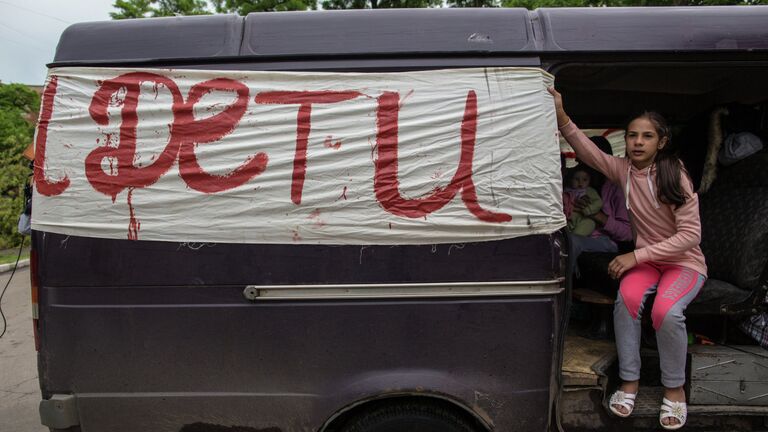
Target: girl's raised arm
(586,150)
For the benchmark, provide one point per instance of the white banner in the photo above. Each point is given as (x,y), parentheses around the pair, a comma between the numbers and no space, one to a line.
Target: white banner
(445,156)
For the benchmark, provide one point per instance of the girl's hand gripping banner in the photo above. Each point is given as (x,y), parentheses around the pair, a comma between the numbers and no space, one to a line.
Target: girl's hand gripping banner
(444,156)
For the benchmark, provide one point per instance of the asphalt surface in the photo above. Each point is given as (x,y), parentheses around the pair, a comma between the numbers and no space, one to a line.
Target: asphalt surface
(19,388)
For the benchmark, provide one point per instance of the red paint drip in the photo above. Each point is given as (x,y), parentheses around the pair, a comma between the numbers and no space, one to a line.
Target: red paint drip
(343,194)
(315,216)
(407,95)
(374,148)
(330,144)
(133,225)
(109,139)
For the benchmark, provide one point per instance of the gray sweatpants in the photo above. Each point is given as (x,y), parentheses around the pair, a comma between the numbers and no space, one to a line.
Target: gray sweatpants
(676,287)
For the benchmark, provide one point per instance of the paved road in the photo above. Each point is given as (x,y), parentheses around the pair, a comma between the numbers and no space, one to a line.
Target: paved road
(19,388)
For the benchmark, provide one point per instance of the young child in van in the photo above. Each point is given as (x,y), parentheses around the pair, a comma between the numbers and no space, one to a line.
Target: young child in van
(667,260)
(578,185)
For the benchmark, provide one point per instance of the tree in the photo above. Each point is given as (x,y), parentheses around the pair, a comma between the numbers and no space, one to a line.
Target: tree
(533,4)
(18,104)
(379,4)
(158,8)
(244,7)
(473,3)
(182,7)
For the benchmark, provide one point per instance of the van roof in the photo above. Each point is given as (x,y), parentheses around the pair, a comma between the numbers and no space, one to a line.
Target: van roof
(415,32)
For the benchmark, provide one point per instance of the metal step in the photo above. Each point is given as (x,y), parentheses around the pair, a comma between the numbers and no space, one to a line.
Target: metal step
(649,401)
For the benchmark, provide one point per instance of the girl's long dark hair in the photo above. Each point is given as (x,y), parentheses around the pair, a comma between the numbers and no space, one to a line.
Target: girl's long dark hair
(669,167)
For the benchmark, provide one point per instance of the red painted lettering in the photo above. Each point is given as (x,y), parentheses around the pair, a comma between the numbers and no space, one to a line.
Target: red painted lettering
(303,125)
(387,185)
(42,184)
(127,174)
(192,132)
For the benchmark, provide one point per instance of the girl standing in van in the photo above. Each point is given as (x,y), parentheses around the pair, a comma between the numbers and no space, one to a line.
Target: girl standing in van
(664,212)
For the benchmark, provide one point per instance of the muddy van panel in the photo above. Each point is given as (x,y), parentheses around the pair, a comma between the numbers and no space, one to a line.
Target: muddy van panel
(428,32)
(320,35)
(662,29)
(166,39)
(158,335)
(183,346)
(73,261)
(293,364)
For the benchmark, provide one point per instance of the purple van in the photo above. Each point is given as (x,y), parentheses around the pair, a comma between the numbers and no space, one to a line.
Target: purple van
(160,336)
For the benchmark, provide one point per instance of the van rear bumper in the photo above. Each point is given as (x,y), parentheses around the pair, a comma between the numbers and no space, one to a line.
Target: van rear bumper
(59,412)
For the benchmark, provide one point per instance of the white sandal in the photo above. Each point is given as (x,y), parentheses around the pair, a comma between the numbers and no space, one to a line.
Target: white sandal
(624,400)
(676,410)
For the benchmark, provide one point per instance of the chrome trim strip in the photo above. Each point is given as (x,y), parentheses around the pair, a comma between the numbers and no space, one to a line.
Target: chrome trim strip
(409,290)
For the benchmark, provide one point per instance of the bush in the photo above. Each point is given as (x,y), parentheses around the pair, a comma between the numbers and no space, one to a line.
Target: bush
(18,104)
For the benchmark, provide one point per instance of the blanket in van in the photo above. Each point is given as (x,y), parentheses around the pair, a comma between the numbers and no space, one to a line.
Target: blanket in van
(443,156)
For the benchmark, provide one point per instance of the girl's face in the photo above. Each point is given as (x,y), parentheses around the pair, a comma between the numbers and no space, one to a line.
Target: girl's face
(580,180)
(643,142)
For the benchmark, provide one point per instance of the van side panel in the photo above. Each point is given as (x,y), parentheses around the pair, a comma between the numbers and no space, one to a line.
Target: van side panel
(79,261)
(156,336)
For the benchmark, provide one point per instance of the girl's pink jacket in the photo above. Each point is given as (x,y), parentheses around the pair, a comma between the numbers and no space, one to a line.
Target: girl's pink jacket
(662,234)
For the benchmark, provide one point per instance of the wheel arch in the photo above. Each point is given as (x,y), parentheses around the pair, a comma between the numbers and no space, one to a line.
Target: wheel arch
(335,422)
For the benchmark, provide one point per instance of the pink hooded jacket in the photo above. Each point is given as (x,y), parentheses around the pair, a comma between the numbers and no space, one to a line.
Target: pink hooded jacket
(663,234)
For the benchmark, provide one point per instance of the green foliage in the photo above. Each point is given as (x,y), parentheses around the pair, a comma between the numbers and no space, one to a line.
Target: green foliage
(346,4)
(158,8)
(182,7)
(473,3)
(533,4)
(131,9)
(379,4)
(17,105)
(244,7)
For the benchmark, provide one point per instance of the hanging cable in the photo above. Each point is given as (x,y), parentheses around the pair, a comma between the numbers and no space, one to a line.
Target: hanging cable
(15,266)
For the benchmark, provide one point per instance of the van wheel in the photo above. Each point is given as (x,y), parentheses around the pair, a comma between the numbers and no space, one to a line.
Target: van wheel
(409,417)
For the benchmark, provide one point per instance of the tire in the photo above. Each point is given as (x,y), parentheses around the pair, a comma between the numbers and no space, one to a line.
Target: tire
(412,417)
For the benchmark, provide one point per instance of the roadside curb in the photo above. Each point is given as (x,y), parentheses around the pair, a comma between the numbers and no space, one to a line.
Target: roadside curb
(8,267)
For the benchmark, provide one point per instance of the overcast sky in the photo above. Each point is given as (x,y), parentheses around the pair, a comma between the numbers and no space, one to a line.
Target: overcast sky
(30,30)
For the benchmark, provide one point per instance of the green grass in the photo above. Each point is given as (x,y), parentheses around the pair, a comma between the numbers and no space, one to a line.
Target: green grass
(9,256)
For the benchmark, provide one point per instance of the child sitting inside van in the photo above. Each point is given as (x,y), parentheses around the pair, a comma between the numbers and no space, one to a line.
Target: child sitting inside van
(577,185)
